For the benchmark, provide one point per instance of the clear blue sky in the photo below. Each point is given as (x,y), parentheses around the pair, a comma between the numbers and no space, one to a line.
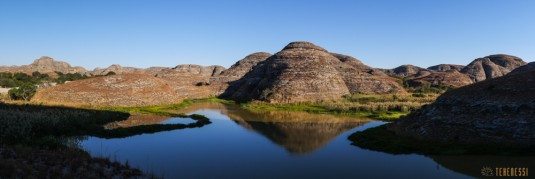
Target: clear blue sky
(386,34)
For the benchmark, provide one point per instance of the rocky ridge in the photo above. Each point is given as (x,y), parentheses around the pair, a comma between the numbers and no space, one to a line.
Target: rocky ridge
(303,71)
(494,111)
(491,66)
(445,67)
(46,65)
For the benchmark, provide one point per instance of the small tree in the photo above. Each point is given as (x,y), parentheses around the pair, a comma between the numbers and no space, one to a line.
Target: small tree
(23,92)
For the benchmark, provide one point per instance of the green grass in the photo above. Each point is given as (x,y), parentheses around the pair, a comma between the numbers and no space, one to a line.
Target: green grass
(164,110)
(37,124)
(380,107)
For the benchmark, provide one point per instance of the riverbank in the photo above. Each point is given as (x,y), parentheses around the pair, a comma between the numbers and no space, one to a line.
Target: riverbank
(381,139)
(379,107)
(31,162)
(49,132)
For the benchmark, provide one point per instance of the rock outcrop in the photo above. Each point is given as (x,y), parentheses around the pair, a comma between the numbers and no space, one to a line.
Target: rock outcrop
(115,90)
(445,67)
(44,65)
(491,66)
(303,71)
(118,69)
(240,68)
(528,67)
(404,71)
(219,83)
(495,111)
(451,78)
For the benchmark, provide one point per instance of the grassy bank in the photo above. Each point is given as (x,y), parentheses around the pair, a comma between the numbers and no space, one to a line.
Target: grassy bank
(381,139)
(381,107)
(164,110)
(49,132)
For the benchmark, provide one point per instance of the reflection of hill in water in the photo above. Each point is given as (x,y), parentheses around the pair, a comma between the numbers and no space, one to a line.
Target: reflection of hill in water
(472,165)
(297,132)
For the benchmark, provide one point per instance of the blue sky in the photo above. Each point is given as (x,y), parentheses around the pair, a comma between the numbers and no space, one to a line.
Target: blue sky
(386,34)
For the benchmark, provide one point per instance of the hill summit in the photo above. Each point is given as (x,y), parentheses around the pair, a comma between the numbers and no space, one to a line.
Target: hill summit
(302,71)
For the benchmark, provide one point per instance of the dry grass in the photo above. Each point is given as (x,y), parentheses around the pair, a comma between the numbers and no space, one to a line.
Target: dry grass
(383,107)
(379,103)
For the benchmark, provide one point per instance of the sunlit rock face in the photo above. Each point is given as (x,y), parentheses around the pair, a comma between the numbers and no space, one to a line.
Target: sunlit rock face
(46,65)
(491,66)
(404,70)
(445,67)
(451,78)
(303,71)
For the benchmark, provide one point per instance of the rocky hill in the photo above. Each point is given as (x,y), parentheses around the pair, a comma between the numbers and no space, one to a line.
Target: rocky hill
(445,67)
(451,78)
(240,68)
(404,70)
(118,69)
(303,71)
(219,83)
(114,90)
(525,68)
(491,66)
(494,111)
(44,65)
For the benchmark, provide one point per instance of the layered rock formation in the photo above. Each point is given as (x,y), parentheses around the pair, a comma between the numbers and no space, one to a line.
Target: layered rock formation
(118,69)
(44,65)
(240,68)
(491,66)
(115,90)
(494,111)
(528,67)
(445,67)
(303,71)
(451,78)
(404,70)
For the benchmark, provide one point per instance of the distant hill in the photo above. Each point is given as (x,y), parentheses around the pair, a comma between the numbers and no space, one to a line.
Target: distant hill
(491,66)
(445,67)
(45,65)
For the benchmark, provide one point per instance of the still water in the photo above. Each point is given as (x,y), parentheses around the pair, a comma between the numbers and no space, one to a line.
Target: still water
(269,144)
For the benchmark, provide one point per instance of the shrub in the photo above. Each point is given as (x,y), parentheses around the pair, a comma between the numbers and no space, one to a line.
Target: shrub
(23,92)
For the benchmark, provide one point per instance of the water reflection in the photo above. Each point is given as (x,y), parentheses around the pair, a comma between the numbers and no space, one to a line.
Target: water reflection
(297,132)
(256,144)
(472,165)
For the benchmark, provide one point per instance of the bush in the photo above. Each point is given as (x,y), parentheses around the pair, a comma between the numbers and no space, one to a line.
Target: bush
(23,92)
